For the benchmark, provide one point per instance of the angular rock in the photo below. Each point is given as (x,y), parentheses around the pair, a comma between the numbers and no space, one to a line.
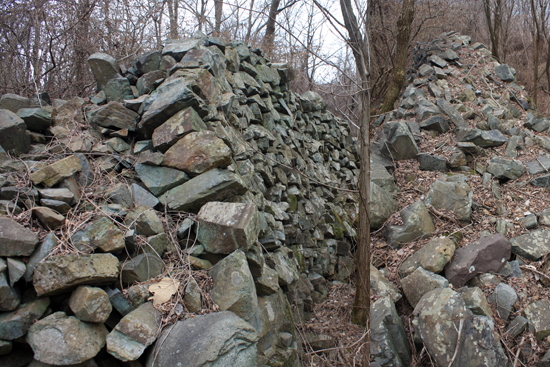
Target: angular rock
(15,240)
(503,299)
(49,218)
(505,168)
(36,119)
(176,127)
(15,324)
(453,196)
(135,332)
(417,222)
(148,62)
(481,344)
(10,297)
(114,115)
(517,326)
(41,252)
(433,256)
(484,139)
(432,162)
(453,114)
(225,227)
(144,221)
(119,302)
(538,314)
(142,197)
(192,298)
(390,346)
(118,89)
(382,206)
(213,185)
(102,234)
(56,172)
(398,142)
(90,304)
(533,245)
(541,181)
(12,133)
(542,164)
(488,254)
(420,282)
(382,286)
(198,152)
(437,123)
(424,109)
(160,179)
(234,288)
(62,273)
(14,102)
(75,341)
(104,68)
(148,82)
(223,338)
(475,300)
(505,73)
(16,269)
(64,195)
(268,282)
(141,268)
(285,266)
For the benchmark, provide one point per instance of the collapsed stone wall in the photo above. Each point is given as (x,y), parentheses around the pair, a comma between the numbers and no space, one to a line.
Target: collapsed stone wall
(203,129)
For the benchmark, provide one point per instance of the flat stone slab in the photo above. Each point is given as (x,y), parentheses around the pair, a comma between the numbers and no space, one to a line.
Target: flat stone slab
(433,256)
(533,245)
(160,179)
(176,127)
(135,332)
(225,227)
(56,172)
(62,273)
(15,324)
(102,234)
(15,239)
(538,314)
(487,255)
(114,115)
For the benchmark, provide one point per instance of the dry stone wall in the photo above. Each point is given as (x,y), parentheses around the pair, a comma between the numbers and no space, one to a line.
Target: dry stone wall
(204,131)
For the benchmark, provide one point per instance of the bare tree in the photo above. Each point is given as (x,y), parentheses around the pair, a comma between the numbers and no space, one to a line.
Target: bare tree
(173,15)
(218,12)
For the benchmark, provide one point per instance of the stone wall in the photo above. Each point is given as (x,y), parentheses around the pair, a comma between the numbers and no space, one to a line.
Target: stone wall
(201,130)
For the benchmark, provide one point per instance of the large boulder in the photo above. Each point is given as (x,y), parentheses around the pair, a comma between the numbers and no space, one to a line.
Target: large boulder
(64,340)
(417,222)
(452,196)
(115,116)
(217,339)
(176,127)
(398,142)
(16,240)
(104,67)
(433,256)
(12,133)
(226,227)
(382,206)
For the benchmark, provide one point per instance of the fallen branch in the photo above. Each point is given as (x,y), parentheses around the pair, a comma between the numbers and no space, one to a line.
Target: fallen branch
(459,331)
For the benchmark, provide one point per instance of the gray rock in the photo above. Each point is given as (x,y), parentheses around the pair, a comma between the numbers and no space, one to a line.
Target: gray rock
(284,265)
(544,217)
(417,222)
(5,348)
(176,127)
(15,324)
(453,114)
(517,326)
(505,73)
(148,62)
(14,102)
(382,286)
(104,68)
(481,345)
(453,196)
(118,89)
(141,268)
(119,302)
(64,195)
(505,168)
(225,227)
(16,240)
(48,218)
(432,162)
(213,185)
(530,221)
(160,179)
(36,119)
(56,172)
(542,164)
(142,197)
(223,338)
(537,124)
(41,252)
(421,282)
(503,298)
(148,82)
(484,139)
(268,282)
(541,181)
(398,142)
(192,298)
(102,234)
(437,123)
(75,341)
(488,254)
(144,221)
(382,206)
(380,176)
(389,346)
(475,300)
(135,332)
(114,115)
(512,146)
(119,194)
(12,133)
(90,304)
(449,55)
(538,314)
(178,48)
(9,297)
(62,273)
(533,245)
(433,256)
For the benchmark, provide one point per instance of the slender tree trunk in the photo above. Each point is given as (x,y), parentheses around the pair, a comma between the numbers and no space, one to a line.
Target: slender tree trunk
(218,12)
(173,15)
(359,46)
(403,36)
(270,26)
(250,23)
(536,52)
(494,23)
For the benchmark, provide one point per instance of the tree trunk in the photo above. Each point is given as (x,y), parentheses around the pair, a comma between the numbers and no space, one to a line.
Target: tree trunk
(536,52)
(173,15)
(494,23)
(358,43)
(270,26)
(218,11)
(403,36)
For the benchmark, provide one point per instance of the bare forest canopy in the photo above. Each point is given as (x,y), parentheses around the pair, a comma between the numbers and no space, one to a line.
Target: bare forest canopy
(44,44)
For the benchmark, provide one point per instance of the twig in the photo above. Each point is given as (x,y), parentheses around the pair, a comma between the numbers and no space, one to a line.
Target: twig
(518,351)
(532,268)
(459,331)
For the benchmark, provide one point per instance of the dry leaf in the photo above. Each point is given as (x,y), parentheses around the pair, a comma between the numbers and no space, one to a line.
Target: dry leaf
(163,290)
